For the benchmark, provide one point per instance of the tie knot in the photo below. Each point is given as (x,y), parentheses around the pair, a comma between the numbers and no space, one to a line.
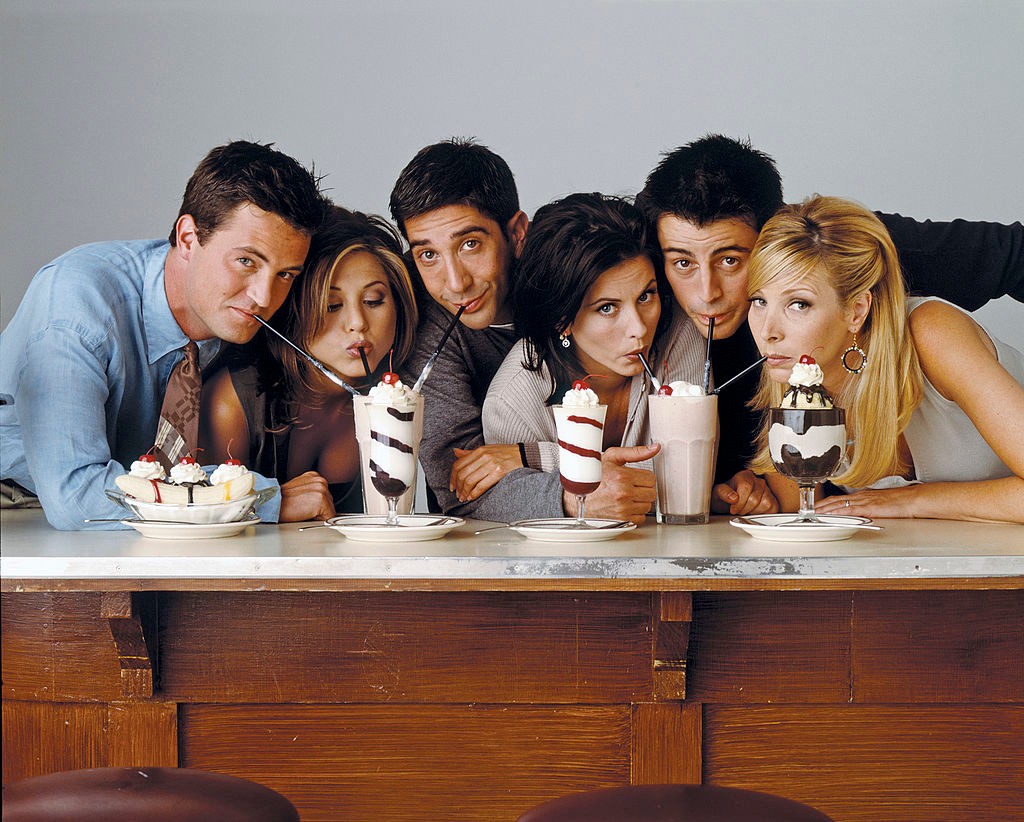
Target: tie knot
(191,352)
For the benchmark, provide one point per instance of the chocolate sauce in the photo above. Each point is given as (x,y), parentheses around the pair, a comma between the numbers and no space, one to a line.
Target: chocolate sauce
(579,488)
(385,484)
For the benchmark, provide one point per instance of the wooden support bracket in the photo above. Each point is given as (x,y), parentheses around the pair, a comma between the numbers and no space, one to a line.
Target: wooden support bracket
(126,612)
(673,614)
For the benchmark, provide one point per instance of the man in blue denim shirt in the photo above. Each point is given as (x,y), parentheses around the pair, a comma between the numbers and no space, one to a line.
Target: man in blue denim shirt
(86,358)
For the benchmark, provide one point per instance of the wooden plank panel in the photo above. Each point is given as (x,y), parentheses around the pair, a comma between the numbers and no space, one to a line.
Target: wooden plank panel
(143,734)
(399,763)
(666,743)
(769,647)
(57,647)
(941,646)
(43,737)
(896,763)
(336,647)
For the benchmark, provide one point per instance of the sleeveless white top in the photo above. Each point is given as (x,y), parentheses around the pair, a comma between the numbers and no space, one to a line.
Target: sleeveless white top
(943,441)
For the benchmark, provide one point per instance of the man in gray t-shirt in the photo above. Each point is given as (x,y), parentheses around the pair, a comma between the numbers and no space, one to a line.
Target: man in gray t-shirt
(457,206)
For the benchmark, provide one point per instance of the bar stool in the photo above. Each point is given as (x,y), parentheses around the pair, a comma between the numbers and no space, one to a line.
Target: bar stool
(143,795)
(672,803)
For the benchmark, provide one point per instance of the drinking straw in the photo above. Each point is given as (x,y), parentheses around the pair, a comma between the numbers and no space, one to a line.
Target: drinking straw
(366,364)
(313,361)
(707,355)
(429,365)
(647,368)
(744,371)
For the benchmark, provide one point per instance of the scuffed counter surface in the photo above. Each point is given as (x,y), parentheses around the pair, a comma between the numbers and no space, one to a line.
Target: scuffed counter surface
(652,557)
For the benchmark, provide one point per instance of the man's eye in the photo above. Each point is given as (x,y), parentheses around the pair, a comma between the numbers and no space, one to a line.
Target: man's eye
(245,261)
(470,244)
(682,265)
(427,256)
(731,261)
(287,276)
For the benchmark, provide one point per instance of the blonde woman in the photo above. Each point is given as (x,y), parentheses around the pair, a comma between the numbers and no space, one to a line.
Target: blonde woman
(276,413)
(934,404)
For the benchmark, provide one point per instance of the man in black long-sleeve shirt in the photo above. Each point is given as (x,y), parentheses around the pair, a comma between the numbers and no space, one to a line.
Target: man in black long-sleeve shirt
(709,200)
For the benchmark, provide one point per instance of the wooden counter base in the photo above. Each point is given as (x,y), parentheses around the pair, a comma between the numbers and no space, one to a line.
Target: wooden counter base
(886,706)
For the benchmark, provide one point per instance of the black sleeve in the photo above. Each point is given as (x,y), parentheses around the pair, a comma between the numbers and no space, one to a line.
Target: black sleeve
(967,263)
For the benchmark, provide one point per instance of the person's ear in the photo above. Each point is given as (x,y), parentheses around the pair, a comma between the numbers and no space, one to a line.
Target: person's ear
(859,309)
(515,230)
(186,235)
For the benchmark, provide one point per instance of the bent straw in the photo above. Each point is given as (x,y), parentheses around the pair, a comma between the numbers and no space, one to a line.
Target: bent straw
(313,361)
(744,371)
(707,355)
(429,365)
(647,368)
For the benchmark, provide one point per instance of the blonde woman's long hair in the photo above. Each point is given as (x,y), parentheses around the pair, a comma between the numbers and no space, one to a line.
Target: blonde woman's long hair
(847,246)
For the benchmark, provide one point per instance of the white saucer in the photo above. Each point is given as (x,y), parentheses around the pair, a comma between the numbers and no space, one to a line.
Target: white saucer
(187,530)
(565,530)
(410,528)
(771,527)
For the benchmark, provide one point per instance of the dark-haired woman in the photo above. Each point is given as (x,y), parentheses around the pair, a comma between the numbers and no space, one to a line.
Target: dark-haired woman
(587,299)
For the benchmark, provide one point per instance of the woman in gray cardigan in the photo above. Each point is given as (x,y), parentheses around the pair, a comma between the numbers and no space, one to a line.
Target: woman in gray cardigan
(588,300)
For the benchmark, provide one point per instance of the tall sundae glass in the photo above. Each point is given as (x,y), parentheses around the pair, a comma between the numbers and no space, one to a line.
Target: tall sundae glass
(579,421)
(393,413)
(807,434)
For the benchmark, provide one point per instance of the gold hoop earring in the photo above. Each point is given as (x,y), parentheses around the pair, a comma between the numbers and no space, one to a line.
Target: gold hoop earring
(855,349)
(565,340)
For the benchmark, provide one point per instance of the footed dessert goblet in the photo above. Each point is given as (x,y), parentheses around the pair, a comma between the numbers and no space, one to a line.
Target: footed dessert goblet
(580,435)
(807,445)
(392,453)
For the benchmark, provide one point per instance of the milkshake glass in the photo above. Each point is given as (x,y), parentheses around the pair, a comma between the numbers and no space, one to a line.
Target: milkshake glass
(686,426)
(389,440)
(580,437)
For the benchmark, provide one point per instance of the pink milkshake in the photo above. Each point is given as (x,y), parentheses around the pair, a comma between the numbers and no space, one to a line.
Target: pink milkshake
(685,423)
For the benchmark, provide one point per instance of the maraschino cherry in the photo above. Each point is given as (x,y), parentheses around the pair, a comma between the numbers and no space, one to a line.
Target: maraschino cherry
(584,384)
(188,459)
(147,458)
(807,359)
(665,391)
(390,378)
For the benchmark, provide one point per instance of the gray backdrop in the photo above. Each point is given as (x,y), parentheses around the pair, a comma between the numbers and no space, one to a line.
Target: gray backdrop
(106,106)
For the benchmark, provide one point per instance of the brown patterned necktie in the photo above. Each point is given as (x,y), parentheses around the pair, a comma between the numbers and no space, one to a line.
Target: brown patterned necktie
(178,430)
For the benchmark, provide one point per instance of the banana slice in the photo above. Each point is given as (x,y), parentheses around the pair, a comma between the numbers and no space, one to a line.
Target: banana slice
(225,492)
(159,491)
(152,490)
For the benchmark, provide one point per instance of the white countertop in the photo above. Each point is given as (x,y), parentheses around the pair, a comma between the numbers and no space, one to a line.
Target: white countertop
(908,553)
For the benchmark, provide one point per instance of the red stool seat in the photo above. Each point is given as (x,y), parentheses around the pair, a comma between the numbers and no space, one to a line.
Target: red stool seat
(143,795)
(672,803)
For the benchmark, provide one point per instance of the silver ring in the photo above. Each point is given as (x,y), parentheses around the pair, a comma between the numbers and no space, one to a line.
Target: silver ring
(846,503)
